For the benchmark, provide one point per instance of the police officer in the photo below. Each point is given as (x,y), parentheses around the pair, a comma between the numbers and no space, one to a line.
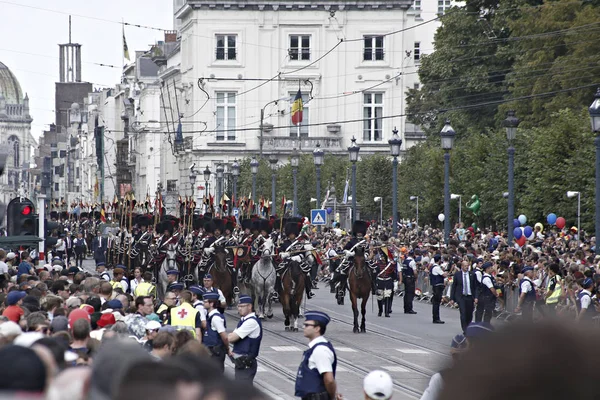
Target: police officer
(436,278)
(478,272)
(409,271)
(316,375)
(526,295)
(553,290)
(101,269)
(208,288)
(246,340)
(176,287)
(488,294)
(197,296)
(164,309)
(185,316)
(585,305)
(172,276)
(215,335)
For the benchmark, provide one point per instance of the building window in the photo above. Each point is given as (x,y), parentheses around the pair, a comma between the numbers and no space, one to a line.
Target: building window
(305,117)
(416,86)
(373,117)
(171,185)
(300,47)
(226,115)
(443,6)
(56,187)
(417,8)
(226,47)
(373,48)
(417,51)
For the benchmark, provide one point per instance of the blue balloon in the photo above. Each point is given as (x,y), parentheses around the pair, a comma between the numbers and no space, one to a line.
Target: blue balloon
(329,210)
(551,218)
(528,231)
(516,223)
(517,233)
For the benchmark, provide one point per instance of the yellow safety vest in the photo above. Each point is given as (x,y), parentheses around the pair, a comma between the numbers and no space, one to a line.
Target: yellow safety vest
(116,285)
(555,296)
(184,318)
(145,289)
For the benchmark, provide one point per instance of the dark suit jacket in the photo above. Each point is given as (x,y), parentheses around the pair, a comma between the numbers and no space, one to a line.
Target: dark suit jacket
(457,286)
(99,251)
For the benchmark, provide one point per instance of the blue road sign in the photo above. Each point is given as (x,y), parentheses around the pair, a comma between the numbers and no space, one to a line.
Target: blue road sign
(236,212)
(318,217)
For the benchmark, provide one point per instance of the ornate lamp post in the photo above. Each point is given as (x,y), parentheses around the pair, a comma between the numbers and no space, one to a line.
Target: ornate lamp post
(273,161)
(318,155)
(254,170)
(353,153)
(220,171)
(595,119)
(395,143)
(511,123)
(447,135)
(206,179)
(294,160)
(192,181)
(235,171)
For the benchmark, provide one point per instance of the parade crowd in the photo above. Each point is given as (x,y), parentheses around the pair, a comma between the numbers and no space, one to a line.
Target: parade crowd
(135,327)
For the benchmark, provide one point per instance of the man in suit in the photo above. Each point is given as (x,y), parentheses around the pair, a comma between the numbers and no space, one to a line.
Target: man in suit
(464,294)
(99,246)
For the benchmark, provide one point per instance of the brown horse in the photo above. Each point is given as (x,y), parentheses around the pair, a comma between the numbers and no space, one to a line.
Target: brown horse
(221,274)
(359,283)
(292,282)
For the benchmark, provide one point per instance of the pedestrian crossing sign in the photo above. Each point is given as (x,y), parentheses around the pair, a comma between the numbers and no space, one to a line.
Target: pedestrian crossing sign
(318,217)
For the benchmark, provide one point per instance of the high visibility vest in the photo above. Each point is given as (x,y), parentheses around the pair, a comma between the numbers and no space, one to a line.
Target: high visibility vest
(183,317)
(555,296)
(116,285)
(145,289)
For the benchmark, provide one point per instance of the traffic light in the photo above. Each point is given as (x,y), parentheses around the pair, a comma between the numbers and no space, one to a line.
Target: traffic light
(21,218)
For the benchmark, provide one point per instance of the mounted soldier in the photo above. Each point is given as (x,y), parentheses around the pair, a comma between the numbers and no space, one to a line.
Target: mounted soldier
(292,249)
(359,230)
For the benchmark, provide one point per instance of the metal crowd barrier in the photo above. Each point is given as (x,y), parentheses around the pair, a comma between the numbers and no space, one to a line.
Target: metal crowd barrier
(507,303)
(423,290)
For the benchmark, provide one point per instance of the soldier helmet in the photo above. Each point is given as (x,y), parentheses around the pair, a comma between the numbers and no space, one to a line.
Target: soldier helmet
(360,227)
(265,225)
(292,228)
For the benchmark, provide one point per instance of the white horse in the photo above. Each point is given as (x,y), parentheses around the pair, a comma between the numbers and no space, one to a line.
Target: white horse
(170,262)
(263,280)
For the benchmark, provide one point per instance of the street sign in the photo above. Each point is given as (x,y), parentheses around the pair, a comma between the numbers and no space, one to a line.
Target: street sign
(236,212)
(318,217)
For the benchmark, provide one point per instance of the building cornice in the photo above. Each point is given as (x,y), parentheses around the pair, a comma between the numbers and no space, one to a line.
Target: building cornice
(289,5)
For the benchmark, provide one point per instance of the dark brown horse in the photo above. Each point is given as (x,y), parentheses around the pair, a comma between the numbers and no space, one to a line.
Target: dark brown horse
(292,282)
(221,274)
(359,283)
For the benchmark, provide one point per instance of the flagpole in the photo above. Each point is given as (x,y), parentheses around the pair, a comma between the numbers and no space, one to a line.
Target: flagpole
(122,45)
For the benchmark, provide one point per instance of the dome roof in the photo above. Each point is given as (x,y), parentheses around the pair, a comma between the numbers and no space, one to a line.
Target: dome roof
(9,86)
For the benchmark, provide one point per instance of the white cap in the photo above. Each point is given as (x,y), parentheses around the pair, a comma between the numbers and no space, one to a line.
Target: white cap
(378,385)
(10,256)
(10,328)
(152,325)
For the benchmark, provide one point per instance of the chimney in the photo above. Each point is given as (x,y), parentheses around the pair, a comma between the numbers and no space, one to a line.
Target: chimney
(170,36)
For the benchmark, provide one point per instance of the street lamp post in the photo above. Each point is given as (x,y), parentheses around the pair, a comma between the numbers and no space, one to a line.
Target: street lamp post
(353,153)
(235,171)
(570,195)
(294,160)
(511,123)
(206,179)
(254,170)
(318,155)
(595,119)
(380,201)
(193,181)
(459,197)
(395,143)
(413,198)
(447,133)
(273,161)
(220,171)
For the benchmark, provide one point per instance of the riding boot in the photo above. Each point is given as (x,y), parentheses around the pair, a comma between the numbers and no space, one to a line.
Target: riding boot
(332,282)
(373,287)
(308,287)
(278,286)
(387,303)
(380,307)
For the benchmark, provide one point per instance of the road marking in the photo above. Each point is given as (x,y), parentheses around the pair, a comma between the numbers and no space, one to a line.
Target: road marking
(395,368)
(285,348)
(341,369)
(345,349)
(261,369)
(412,351)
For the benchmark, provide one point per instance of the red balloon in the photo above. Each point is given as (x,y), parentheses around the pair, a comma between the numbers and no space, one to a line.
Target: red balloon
(521,241)
(560,222)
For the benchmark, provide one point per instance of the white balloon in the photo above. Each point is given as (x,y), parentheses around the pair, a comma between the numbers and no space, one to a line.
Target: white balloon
(441,217)
(522,219)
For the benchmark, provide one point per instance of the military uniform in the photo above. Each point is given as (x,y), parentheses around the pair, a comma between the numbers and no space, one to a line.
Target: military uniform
(386,275)
(292,250)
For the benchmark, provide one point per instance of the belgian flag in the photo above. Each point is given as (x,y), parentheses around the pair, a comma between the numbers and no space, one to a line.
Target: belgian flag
(297,108)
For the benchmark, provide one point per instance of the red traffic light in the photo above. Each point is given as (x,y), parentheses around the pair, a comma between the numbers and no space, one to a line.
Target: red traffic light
(26,210)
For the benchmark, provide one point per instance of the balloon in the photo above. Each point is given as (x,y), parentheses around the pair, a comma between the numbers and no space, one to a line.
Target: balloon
(441,217)
(474,205)
(521,241)
(516,223)
(540,226)
(527,231)
(329,210)
(474,226)
(517,233)
(560,222)
(522,219)
(551,218)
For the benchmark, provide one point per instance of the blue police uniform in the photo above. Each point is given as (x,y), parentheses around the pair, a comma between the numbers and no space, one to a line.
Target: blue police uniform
(486,302)
(529,301)
(212,339)
(309,381)
(409,280)
(246,349)
(437,284)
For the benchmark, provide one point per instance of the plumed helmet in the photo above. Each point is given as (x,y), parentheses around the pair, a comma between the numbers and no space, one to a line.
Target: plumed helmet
(292,228)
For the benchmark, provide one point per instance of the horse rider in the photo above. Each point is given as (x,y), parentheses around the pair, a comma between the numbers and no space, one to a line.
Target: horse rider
(316,374)
(215,334)
(292,249)
(386,270)
(214,228)
(246,240)
(164,229)
(246,339)
(230,243)
(409,277)
(359,230)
